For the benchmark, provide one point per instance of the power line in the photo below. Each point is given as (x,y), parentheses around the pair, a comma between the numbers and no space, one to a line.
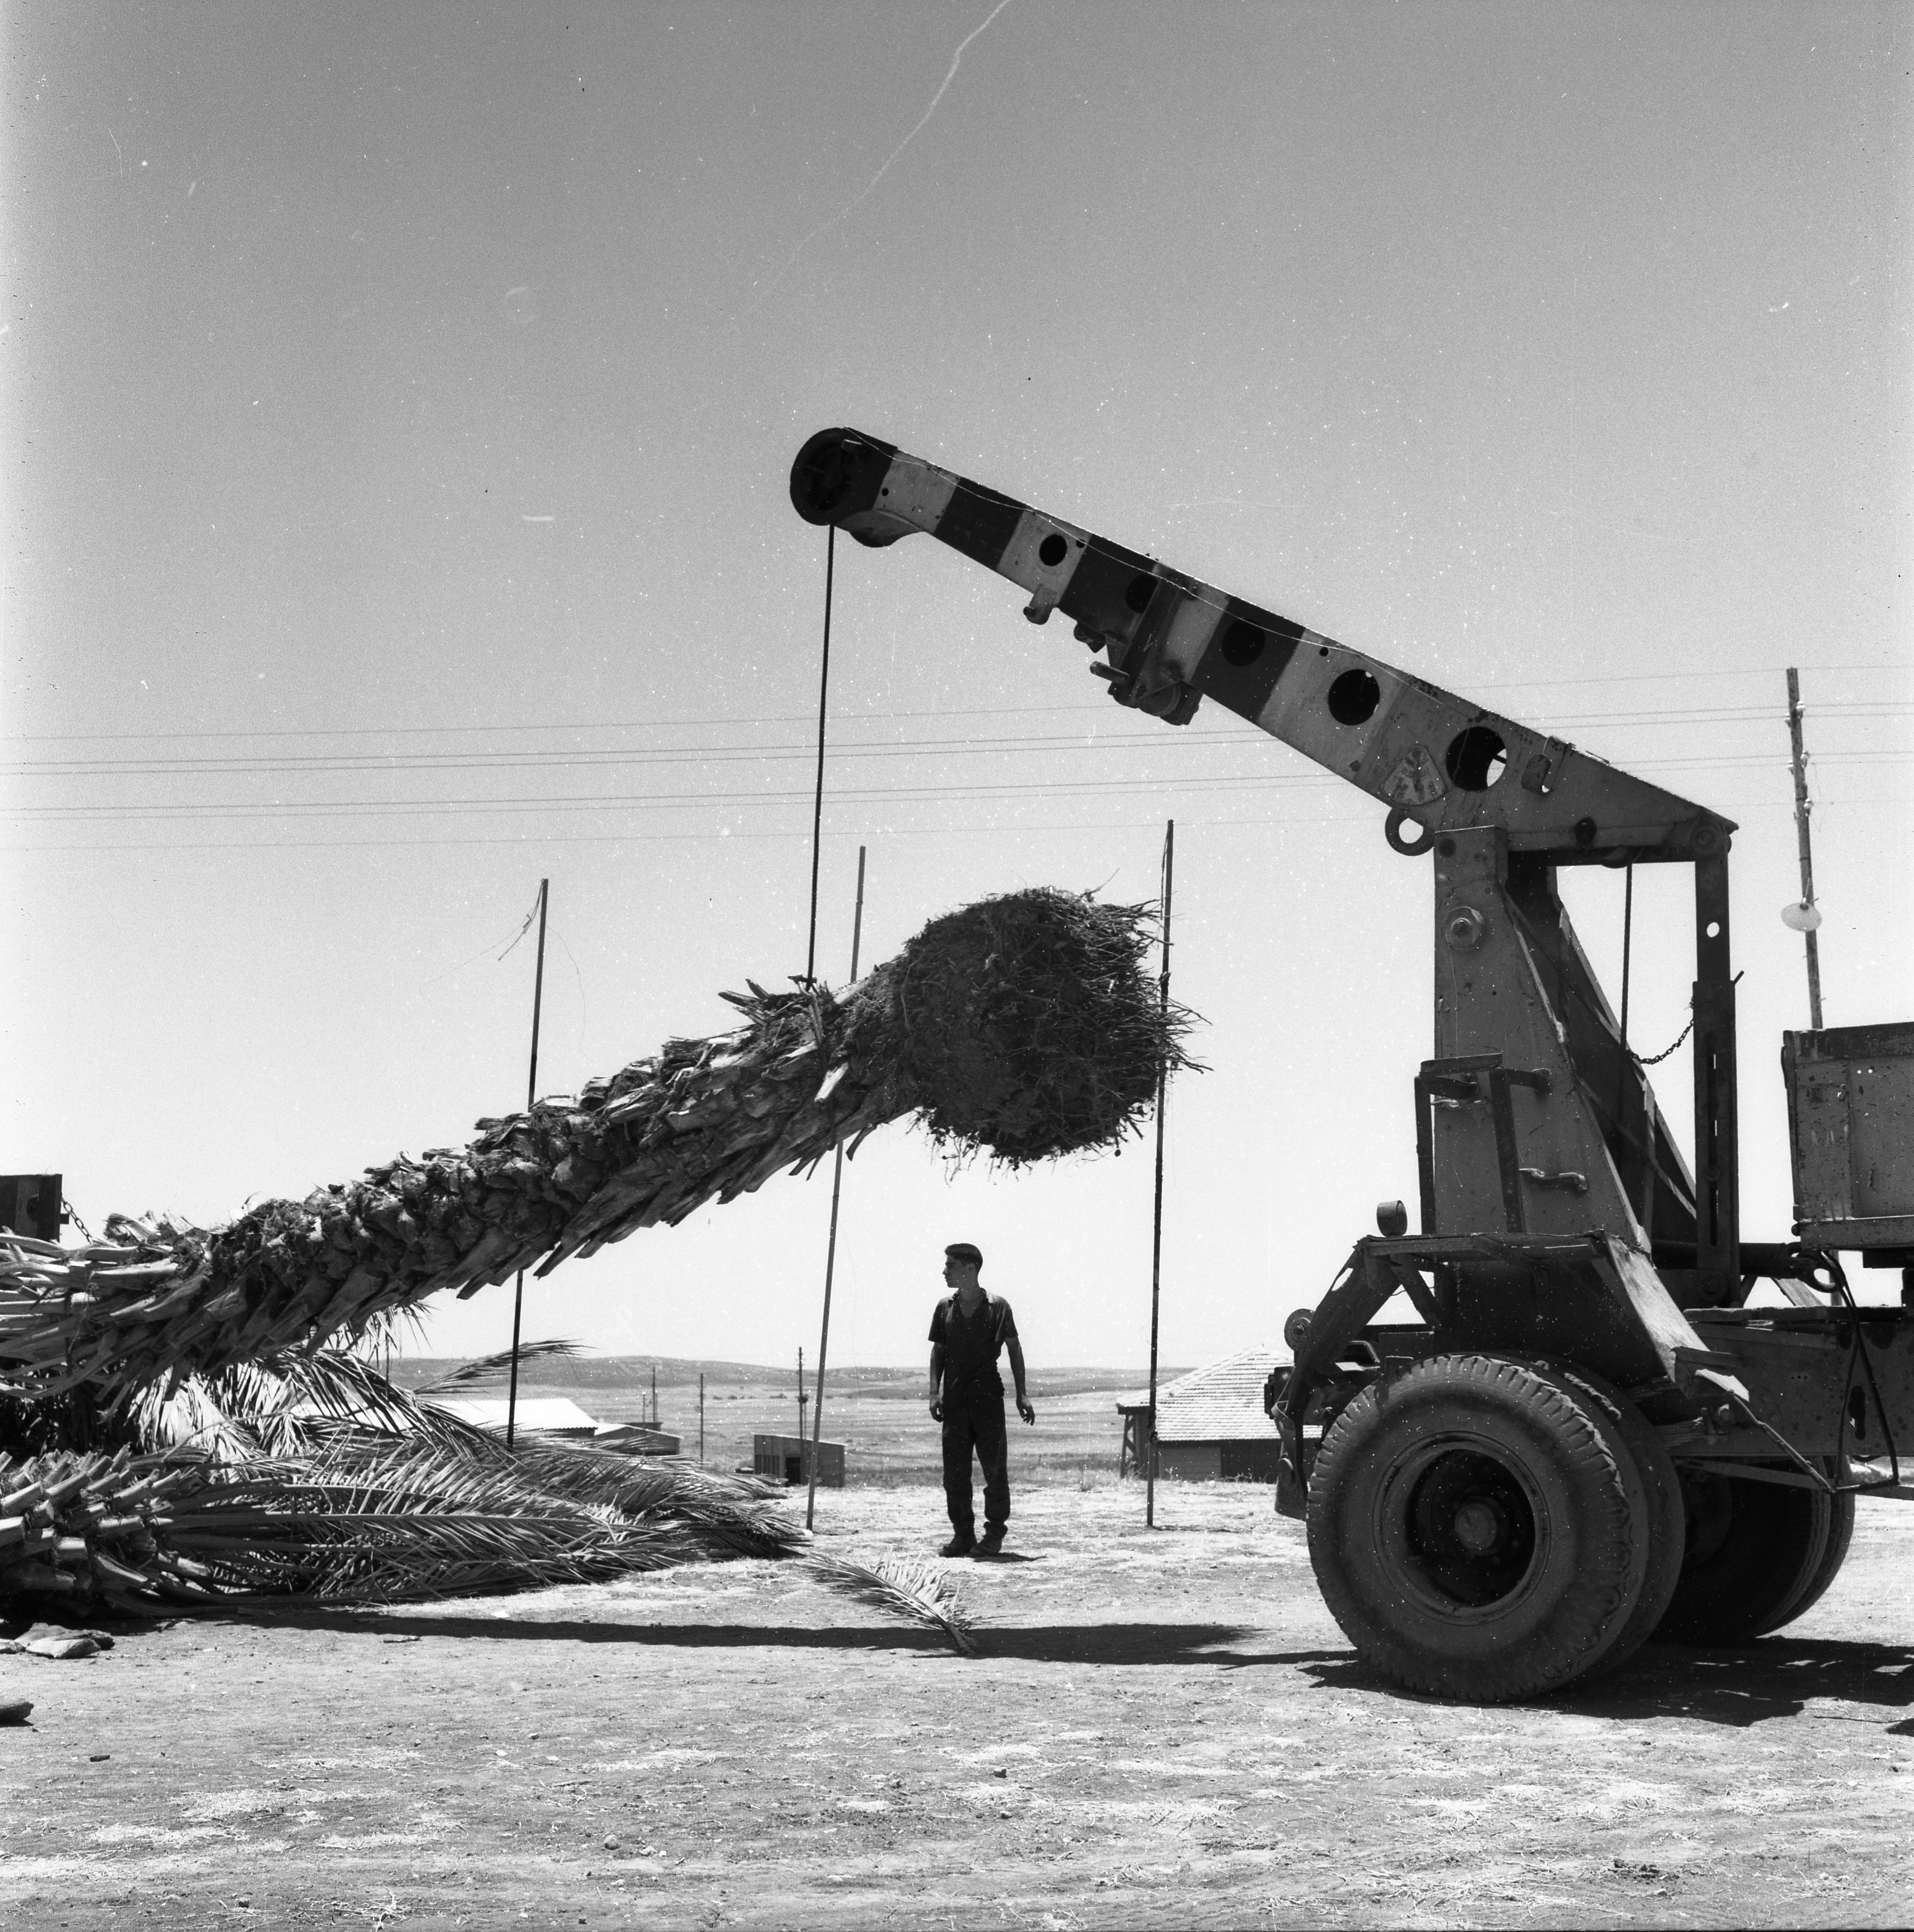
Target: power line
(1099,705)
(611,758)
(106,813)
(323,764)
(1098,826)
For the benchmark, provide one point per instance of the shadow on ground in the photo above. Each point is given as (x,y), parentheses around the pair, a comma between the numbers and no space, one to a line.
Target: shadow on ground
(1746,1683)
(1139,1643)
(1737,1685)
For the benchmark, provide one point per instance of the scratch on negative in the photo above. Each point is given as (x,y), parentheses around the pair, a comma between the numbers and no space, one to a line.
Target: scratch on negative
(870,186)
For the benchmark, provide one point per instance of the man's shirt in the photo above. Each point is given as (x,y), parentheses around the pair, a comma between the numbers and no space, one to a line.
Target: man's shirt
(971,1345)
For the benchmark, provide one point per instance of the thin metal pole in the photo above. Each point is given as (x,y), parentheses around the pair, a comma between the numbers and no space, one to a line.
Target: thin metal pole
(531,1096)
(830,1247)
(700,1418)
(1802,809)
(1156,1230)
(823,699)
(1627,944)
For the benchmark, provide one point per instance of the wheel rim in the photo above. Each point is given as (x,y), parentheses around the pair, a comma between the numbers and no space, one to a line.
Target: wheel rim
(1462,1527)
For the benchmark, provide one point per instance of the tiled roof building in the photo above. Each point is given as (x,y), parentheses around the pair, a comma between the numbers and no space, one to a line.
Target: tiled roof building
(1211,1425)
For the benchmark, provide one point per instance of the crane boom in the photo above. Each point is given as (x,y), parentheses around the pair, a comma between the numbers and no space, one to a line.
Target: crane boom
(1171,641)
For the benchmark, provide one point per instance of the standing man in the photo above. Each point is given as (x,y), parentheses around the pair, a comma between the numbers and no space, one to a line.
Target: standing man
(968,1331)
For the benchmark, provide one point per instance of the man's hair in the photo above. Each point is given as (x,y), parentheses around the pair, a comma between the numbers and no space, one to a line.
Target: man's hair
(965,1251)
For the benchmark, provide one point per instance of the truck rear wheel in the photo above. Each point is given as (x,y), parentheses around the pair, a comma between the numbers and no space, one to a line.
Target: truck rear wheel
(1478,1528)
(1758,1554)
(1841,1537)
(1667,1513)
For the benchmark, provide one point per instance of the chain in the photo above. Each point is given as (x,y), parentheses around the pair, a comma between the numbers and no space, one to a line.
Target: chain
(1655,1059)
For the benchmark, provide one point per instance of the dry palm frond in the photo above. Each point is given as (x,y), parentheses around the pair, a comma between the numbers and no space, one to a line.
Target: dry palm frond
(489,1368)
(738,1517)
(918,1591)
(284,1408)
(339,1543)
(1024,1026)
(332,1406)
(376,1519)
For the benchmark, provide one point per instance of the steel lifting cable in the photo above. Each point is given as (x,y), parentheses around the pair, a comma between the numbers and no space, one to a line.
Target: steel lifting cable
(1627,954)
(823,712)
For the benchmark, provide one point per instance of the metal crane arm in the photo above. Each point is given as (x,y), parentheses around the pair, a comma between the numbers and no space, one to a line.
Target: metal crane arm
(1171,641)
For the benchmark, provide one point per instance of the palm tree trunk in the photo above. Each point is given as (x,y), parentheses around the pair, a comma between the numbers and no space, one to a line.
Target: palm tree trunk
(1025,1026)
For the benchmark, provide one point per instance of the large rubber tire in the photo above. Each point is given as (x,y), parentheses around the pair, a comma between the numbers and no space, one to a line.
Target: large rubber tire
(1758,1554)
(1478,1528)
(1841,1537)
(1667,1514)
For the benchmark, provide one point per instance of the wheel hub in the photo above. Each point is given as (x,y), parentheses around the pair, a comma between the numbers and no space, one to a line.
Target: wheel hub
(1479,1525)
(1470,1527)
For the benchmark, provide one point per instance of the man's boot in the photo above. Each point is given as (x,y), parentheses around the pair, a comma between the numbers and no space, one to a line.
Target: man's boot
(990,1543)
(960,1544)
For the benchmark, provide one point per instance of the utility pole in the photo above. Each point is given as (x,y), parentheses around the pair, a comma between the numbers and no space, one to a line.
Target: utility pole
(700,1418)
(830,1247)
(531,1096)
(1806,917)
(802,1399)
(1157,1231)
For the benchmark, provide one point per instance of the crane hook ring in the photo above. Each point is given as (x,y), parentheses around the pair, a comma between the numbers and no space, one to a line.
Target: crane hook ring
(1410,848)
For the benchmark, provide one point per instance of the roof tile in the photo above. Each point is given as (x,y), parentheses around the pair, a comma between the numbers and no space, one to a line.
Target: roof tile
(1221,1403)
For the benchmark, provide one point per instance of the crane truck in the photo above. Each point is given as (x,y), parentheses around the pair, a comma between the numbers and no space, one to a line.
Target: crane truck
(1585,1435)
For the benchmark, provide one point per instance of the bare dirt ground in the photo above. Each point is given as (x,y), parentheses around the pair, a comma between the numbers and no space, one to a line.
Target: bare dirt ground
(1165,1728)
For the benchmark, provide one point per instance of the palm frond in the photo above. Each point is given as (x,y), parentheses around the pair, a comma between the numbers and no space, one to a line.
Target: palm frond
(285,1407)
(315,1480)
(919,1590)
(491,1368)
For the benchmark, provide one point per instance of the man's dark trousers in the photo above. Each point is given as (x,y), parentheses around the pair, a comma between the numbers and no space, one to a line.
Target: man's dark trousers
(975,1427)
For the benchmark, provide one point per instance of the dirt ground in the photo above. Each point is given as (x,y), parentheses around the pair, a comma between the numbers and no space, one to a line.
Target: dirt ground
(1165,1728)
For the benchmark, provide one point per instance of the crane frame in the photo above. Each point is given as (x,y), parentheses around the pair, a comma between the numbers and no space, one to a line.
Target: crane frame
(1561,1229)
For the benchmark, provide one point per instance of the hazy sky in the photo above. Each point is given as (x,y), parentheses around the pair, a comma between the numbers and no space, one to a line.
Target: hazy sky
(400,401)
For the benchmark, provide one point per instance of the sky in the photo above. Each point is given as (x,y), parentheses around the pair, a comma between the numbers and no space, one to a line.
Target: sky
(399,403)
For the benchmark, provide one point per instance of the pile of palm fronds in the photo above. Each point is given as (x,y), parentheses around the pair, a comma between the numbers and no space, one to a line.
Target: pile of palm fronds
(1025,1026)
(329,1484)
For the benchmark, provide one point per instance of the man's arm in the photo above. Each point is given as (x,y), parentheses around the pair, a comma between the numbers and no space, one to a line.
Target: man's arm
(937,1380)
(1024,1409)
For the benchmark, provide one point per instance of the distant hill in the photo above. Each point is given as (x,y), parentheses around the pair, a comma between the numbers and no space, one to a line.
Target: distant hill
(633,1371)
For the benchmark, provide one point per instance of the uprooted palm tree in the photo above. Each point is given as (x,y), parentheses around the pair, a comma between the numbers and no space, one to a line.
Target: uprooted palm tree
(1025,1026)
